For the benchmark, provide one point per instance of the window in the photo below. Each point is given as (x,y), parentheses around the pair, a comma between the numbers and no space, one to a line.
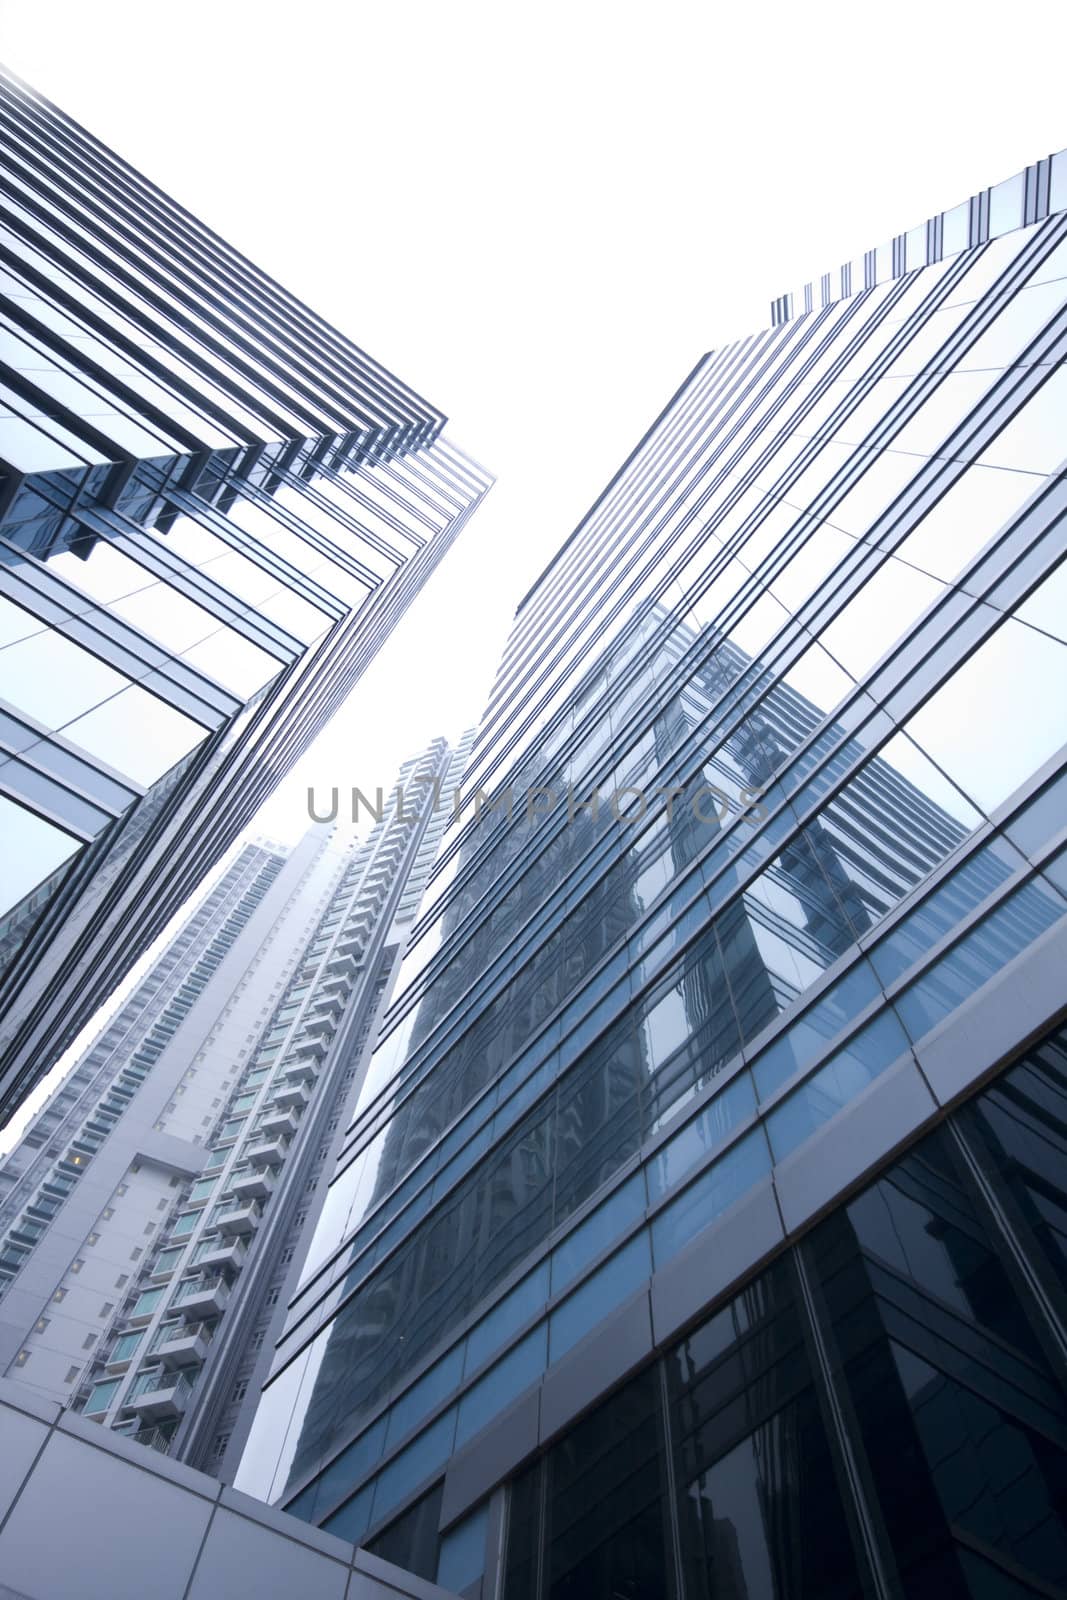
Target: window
(89,1341)
(146,1303)
(101,1396)
(106,1309)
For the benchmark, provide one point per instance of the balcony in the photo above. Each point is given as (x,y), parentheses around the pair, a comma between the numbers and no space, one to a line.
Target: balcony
(321,1023)
(202,1298)
(252,1185)
(163,1396)
(342,963)
(269,1154)
(304,1070)
(309,1047)
(292,1094)
(181,1344)
(220,1253)
(153,1438)
(278,1122)
(328,1002)
(241,1218)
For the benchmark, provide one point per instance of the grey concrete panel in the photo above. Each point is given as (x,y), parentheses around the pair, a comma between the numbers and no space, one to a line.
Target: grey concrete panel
(21,1437)
(101,1438)
(894,1106)
(714,1261)
(611,1353)
(243,1560)
(491,1456)
(374,1579)
(88,1526)
(293,1528)
(1023,999)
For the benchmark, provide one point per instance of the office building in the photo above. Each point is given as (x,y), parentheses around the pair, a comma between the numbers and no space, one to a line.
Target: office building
(699,1228)
(214,508)
(154,1206)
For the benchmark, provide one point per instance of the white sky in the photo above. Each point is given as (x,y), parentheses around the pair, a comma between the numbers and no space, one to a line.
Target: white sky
(540,216)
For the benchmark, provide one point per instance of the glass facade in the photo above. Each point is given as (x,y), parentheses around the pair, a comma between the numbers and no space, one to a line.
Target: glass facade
(768,803)
(213,510)
(881,1411)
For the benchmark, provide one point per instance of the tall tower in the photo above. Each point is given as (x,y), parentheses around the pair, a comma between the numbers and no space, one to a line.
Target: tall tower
(704,1181)
(196,1128)
(213,510)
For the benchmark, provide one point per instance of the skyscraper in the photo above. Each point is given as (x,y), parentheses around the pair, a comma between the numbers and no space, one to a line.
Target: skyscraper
(697,1229)
(213,510)
(195,1128)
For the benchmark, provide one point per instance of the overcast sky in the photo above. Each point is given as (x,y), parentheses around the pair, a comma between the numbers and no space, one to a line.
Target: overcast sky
(540,216)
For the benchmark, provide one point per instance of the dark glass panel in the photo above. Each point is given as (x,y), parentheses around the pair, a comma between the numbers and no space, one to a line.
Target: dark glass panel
(963,1421)
(607,1504)
(759,1506)
(411,1541)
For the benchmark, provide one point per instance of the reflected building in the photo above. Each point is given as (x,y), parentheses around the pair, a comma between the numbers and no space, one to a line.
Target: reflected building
(214,508)
(697,1230)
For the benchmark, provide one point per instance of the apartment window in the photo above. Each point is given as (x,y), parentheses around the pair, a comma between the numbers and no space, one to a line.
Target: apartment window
(40,1325)
(72,1373)
(126,1345)
(106,1309)
(149,1227)
(220,1444)
(136,1253)
(60,1293)
(240,1389)
(146,1302)
(22,1358)
(174,1182)
(94,1238)
(76,1266)
(122,1278)
(101,1395)
(88,1341)
(161,1205)
(109,1211)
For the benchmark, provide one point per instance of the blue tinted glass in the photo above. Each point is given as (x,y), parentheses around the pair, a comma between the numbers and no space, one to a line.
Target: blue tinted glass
(608,1287)
(803,1041)
(712,1193)
(423,1456)
(1042,818)
(502,1384)
(598,1231)
(524,1302)
(979,957)
(943,910)
(699,1137)
(351,1465)
(843,1077)
(421,1398)
(353,1519)
(462,1557)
